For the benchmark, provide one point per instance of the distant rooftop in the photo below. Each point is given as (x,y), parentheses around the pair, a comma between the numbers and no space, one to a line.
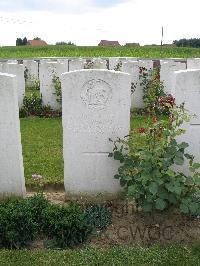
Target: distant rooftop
(36,43)
(108,43)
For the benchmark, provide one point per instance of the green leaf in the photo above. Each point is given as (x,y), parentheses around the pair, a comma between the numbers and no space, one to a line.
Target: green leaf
(196,165)
(132,190)
(184,208)
(153,188)
(193,207)
(189,181)
(161,204)
(179,160)
(170,173)
(183,145)
(177,189)
(147,207)
(189,157)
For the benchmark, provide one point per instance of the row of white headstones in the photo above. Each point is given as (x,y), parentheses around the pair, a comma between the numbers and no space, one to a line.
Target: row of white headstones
(95,106)
(45,69)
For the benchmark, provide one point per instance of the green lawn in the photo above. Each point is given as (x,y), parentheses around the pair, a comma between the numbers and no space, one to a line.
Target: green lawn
(42,147)
(95,51)
(172,255)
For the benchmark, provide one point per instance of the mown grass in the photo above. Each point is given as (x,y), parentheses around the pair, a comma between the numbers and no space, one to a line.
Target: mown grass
(42,149)
(95,51)
(166,256)
(42,143)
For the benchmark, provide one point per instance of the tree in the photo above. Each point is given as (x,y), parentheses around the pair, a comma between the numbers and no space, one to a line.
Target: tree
(193,42)
(37,39)
(19,42)
(24,42)
(65,43)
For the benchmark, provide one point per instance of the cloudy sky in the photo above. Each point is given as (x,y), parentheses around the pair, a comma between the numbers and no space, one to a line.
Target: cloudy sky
(86,22)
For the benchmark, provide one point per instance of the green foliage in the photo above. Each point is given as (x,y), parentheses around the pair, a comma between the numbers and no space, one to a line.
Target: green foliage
(65,226)
(147,158)
(65,43)
(36,204)
(28,51)
(153,89)
(22,220)
(57,86)
(32,105)
(193,42)
(179,255)
(98,216)
(17,226)
(20,42)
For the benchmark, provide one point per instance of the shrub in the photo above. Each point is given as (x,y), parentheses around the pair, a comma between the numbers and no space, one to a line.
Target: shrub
(147,158)
(98,216)
(58,90)
(66,226)
(17,226)
(32,105)
(37,204)
(153,89)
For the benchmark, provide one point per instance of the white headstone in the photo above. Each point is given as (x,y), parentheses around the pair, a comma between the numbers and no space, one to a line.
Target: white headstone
(31,71)
(187,89)
(115,63)
(76,64)
(167,74)
(99,63)
(193,63)
(133,68)
(96,107)
(18,70)
(48,71)
(11,163)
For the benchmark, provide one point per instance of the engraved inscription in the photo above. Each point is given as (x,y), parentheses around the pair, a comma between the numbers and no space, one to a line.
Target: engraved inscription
(96,93)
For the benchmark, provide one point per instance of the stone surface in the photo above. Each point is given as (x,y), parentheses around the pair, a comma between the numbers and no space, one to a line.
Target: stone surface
(167,74)
(11,163)
(133,68)
(76,64)
(115,63)
(31,69)
(48,71)
(99,63)
(96,107)
(193,63)
(18,70)
(187,89)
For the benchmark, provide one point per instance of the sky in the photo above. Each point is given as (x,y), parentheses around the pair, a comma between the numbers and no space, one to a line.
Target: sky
(86,22)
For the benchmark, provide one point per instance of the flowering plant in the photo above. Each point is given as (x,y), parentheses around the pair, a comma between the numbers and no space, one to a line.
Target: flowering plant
(153,89)
(38,183)
(147,158)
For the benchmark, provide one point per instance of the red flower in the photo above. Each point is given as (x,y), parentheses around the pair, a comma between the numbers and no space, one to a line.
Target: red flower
(141,130)
(154,120)
(157,77)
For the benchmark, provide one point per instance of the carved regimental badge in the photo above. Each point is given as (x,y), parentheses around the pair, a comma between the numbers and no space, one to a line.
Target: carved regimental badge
(96,93)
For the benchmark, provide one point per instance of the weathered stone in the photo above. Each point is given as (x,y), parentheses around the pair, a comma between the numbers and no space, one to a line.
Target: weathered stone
(50,71)
(133,68)
(167,74)
(96,107)
(11,163)
(76,64)
(193,63)
(18,70)
(187,90)
(31,72)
